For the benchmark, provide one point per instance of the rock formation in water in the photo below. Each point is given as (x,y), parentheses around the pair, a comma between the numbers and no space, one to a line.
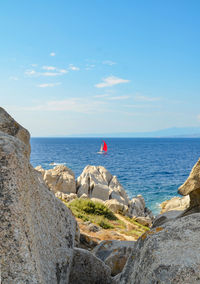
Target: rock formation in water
(176,203)
(98,184)
(37,230)
(191,187)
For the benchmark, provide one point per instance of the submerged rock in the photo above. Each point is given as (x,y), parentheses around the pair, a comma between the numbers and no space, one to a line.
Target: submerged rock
(166,254)
(191,187)
(37,230)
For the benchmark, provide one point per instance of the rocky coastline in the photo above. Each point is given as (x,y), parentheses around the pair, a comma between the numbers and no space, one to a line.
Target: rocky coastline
(45,238)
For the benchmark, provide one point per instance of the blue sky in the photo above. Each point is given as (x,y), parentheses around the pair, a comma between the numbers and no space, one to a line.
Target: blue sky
(100,66)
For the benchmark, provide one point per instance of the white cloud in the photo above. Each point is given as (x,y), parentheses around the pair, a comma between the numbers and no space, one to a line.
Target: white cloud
(30,72)
(59,72)
(78,105)
(73,68)
(111,81)
(45,85)
(52,54)
(116,98)
(63,71)
(34,65)
(49,68)
(50,74)
(198,117)
(14,78)
(109,62)
(145,98)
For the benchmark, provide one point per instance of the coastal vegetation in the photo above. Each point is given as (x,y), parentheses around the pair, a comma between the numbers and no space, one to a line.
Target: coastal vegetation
(97,213)
(94,212)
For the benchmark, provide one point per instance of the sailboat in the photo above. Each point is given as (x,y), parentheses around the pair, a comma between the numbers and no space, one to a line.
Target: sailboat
(104,148)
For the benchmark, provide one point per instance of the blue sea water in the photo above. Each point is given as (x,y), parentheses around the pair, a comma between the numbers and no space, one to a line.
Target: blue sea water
(153,167)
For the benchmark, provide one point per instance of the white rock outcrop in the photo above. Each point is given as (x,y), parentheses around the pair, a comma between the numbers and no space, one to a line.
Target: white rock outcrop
(37,230)
(96,181)
(60,178)
(176,203)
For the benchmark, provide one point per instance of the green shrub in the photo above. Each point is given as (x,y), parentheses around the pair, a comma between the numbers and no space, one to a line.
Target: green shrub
(92,208)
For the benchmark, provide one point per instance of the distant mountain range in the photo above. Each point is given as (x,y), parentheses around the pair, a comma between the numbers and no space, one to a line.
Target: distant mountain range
(184,132)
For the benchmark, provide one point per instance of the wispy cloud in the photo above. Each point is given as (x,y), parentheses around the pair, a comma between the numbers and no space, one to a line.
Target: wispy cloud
(30,72)
(109,62)
(73,68)
(111,81)
(49,68)
(78,105)
(117,98)
(145,98)
(59,72)
(50,74)
(45,85)
(141,106)
(34,65)
(52,54)
(63,71)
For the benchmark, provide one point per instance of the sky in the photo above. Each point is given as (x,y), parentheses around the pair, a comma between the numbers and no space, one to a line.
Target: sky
(72,67)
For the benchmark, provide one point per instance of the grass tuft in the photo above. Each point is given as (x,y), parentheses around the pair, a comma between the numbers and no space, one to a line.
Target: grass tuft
(94,212)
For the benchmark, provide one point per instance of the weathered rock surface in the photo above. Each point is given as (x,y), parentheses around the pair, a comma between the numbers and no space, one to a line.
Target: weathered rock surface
(11,127)
(60,178)
(145,221)
(176,203)
(114,254)
(88,269)
(137,208)
(167,254)
(96,182)
(66,197)
(116,206)
(191,187)
(37,230)
(99,183)
(166,217)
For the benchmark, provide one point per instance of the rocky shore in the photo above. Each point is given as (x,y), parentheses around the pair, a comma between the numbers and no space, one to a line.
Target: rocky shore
(46,239)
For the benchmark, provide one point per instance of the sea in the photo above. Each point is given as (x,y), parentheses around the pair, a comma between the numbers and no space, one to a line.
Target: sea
(153,167)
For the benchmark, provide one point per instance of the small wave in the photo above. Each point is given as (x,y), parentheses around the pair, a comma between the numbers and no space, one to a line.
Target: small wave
(57,164)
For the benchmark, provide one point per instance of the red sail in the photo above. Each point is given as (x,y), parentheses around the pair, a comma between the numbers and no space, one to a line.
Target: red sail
(105,148)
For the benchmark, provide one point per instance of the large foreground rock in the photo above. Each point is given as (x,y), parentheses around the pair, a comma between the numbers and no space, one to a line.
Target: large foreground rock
(37,230)
(114,253)
(88,269)
(59,179)
(191,187)
(11,127)
(166,254)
